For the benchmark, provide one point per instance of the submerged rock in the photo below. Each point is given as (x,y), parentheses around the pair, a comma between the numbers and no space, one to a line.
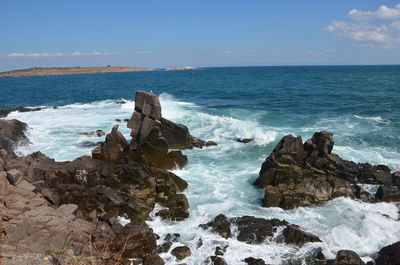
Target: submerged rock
(181,252)
(254,230)
(97,133)
(346,257)
(253,261)
(297,174)
(244,140)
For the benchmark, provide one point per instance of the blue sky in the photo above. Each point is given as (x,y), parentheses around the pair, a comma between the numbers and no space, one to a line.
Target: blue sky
(198,33)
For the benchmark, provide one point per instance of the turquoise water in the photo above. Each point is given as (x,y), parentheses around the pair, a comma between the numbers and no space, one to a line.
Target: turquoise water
(360,105)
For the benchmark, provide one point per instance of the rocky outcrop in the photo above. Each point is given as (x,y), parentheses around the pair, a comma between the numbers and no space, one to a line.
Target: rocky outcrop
(389,255)
(297,174)
(5,112)
(254,230)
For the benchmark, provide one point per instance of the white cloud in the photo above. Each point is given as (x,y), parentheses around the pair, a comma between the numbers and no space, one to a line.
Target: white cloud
(378,32)
(382,13)
(90,53)
(35,54)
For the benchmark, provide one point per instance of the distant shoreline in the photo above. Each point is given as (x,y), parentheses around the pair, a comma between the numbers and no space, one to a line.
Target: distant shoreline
(46,71)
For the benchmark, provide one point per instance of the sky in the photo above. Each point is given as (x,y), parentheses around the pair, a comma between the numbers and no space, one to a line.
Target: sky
(167,33)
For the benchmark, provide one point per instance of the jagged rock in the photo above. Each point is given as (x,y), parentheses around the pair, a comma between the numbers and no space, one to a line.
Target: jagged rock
(346,257)
(181,252)
(220,250)
(198,143)
(244,140)
(14,176)
(389,255)
(113,148)
(220,225)
(254,261)
(169,239)
(97,133)
(297,174)
(388,194)
(148,104)
(294,235)
(13,130)
(254,230)
(177,135)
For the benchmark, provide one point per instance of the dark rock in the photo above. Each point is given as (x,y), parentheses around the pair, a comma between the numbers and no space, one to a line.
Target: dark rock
(118,120)
(294,235)
(253,261)
(120,102)
(346,257)
(216,260)
(14,130)
(303,175)
(254,230)
(126,120)
(169,239)
(181,252)
(220,225)
(89,144)
(220,250)
(211,143)
(148,104)
(113,148)
(198,143)
(389,255)
(244,140)
(388,194)
(5,112)
(177,135)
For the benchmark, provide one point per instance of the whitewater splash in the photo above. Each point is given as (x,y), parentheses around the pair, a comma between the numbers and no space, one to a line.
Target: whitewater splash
(220,178)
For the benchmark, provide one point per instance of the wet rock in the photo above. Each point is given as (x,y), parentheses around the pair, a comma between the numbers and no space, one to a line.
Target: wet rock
(5,112)
(389,255)
(89,144)
(120,102)
(181,252)
(118,120)
(388,194)
(297,174)
(148,104)
(254,261)
(220,250)
(211,143)
(169,239)
(346,257)
(244,140)
(14,130)
(97,133)
(254,230)
(216,260)
(294,235)
(197,142)
(220,225)
(177,135)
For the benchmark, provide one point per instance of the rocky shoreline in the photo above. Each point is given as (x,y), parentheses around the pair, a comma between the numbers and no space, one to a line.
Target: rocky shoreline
(70,212)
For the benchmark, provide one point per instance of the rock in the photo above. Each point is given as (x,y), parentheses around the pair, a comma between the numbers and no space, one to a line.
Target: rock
(388,194)
(14,176)
(216,260)
(220,250)
(297,174)
(118,120)
(244,140)
(153,259)
(346,257)
(169,239)
(198,143)
(97,133)
(89,144)
(220,225)
(181,252)
(14,130)
(113,148)
(211,143)
(5,112)
(148,104)
(253,261)
(389,255)
(294,235)
(177,135)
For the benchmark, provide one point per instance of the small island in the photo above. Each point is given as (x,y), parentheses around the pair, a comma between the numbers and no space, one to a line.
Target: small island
(45,71)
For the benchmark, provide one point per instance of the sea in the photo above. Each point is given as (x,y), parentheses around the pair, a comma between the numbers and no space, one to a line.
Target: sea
(360,105)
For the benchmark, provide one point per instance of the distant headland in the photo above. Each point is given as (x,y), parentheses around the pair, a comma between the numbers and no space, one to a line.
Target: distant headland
(45,71)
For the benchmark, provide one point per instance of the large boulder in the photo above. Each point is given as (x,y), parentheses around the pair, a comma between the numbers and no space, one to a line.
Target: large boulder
(148,104)
(113,148)
(297,174)
(346,257)
(389,255)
